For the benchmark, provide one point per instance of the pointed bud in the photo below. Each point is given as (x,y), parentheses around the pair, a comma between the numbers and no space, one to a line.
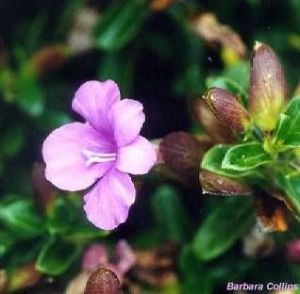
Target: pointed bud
(182,152)
(227,109)
(219,185)
(103,281)
(268,88)
(216,130)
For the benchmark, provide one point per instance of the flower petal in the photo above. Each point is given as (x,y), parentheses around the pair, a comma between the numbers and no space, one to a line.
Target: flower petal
(127,120)
(66,165)
(93,100)
(108,202)
(136,158)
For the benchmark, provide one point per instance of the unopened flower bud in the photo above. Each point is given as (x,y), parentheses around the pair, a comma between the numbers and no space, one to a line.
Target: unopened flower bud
(227,109)
(268,88)
(182,153)
(219,132)
(103,281)
(212,183)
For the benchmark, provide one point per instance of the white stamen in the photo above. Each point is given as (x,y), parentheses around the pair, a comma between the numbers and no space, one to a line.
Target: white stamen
(97,157)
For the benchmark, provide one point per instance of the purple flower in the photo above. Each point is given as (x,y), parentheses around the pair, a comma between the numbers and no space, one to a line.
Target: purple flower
(101,152)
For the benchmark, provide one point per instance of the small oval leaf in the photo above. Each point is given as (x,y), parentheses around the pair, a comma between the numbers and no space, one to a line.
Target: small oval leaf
(223,227)
(245,157)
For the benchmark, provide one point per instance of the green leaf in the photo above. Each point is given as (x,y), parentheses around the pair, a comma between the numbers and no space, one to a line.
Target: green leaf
(195,278)
(11,141)
(66,17)
(52,119)
(146,239)
(120,24)
(282,128)
(190,80)
(290,183)
(24,251)
(223,227)
(20,216)
(30,95)
(119,66)
(212,161)
(62,215)
(170,215)
(203,277)
(56,256)
(67,218)
(84,231)
(245,157)
(7,240)
(287,132)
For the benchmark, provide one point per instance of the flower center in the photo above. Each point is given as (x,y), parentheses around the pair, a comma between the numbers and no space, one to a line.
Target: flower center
(98,157)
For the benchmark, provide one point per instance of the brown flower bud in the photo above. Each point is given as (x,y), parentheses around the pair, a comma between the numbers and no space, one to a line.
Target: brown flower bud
(227,109)
(268,88)
(103,281)
(216,130)
(219,185)
(182,153)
